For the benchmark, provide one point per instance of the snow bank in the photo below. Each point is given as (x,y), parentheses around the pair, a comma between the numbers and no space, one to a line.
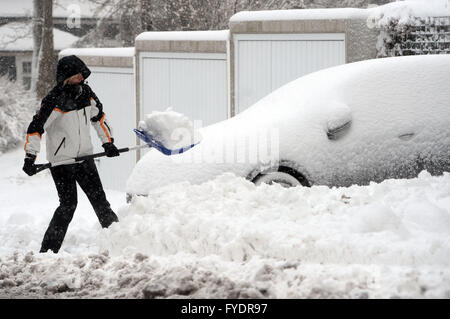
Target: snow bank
(221,35)
(385,223)
(228,238)
(172,129)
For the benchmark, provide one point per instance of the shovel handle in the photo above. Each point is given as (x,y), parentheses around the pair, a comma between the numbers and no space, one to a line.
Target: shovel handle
(41,167)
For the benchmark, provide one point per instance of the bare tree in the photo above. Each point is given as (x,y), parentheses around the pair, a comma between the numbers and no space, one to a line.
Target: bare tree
(132,17)
(37,40)
(269,4)
(343,3)
(145,19)
(209,14)
(137,16)
(43,63)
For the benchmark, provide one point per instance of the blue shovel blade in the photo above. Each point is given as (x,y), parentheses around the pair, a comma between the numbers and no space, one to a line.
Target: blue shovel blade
(147,138)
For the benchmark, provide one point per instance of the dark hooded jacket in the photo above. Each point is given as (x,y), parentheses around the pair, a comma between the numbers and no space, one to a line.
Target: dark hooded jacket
(69,66)
(66,114)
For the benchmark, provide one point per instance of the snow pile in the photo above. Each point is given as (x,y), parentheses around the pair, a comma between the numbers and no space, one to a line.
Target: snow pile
(406,12)
(16,111)
(228,238)
(172,129)
(387,223)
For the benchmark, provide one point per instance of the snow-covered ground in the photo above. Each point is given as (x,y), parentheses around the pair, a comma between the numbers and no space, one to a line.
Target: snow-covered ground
(227,238)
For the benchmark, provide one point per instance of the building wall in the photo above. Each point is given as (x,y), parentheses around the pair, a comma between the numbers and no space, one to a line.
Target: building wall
(265,62)
(170,47)
(8,65)
(23,73)
(356,32)
(192,84)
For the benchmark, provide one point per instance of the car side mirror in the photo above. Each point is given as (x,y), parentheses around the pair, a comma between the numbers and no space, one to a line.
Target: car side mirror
(339,120)
(333,133)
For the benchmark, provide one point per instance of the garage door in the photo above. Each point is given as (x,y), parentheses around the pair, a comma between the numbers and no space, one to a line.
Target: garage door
(264,62)
(192,84)
(115,89)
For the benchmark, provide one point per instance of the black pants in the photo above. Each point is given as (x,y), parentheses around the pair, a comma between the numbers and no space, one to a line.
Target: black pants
(65,178)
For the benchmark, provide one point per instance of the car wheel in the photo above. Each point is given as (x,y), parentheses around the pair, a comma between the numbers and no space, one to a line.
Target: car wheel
(285,176)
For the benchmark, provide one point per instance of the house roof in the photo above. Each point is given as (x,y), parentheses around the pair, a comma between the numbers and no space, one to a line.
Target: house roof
(18,36)
(61,9)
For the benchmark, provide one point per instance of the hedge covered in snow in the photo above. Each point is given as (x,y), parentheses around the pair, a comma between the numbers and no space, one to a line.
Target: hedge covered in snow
(419,36)
(412,27)
(17,107)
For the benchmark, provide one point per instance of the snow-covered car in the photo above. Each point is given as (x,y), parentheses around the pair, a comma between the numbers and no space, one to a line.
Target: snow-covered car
(350,124)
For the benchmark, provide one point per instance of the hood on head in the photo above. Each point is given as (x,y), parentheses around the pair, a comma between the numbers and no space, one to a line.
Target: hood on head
(69,66)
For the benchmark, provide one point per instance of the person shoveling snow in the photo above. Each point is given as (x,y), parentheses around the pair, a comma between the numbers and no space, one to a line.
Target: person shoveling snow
(65,115)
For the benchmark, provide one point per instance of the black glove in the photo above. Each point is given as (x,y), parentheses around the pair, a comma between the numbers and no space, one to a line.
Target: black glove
(28,166)
(110,149)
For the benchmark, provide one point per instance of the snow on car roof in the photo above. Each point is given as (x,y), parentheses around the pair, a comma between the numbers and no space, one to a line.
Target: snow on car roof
(18,36)
(401,10)
(220,35)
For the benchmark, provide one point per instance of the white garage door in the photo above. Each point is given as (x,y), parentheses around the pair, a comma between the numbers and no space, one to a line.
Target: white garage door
(192,84)
(264,62)
(115,89)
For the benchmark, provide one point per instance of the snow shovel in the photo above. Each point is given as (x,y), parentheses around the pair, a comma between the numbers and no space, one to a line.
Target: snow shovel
(151,142)
(146,137)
